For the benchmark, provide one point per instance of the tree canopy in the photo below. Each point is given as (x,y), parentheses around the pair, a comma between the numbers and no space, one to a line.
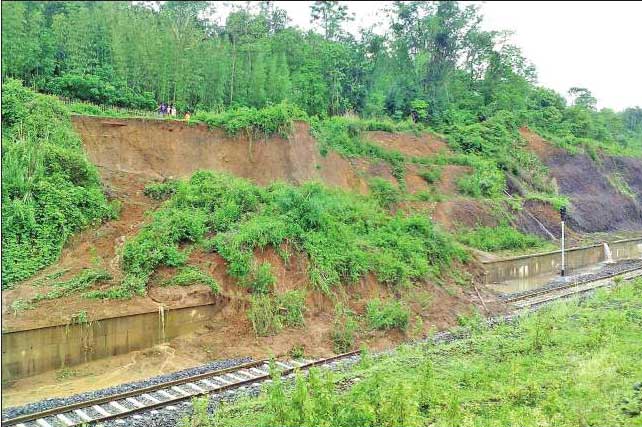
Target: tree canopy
(434,63)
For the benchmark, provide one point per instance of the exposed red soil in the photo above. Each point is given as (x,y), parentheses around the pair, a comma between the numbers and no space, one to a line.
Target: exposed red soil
(455,214)
(537,144)
(414,182)
(164,149)
(422,145)
(447,183)
(373,168)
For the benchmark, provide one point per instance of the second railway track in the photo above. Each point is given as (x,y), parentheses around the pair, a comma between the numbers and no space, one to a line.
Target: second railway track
(542,296)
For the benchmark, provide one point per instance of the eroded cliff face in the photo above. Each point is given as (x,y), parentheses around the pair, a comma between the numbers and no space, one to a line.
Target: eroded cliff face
(163,149)
(605,195)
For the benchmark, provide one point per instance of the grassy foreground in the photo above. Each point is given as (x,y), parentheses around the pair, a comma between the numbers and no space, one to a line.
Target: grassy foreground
(570,364)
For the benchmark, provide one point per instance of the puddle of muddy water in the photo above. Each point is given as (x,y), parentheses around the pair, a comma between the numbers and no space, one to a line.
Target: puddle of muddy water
(534,282)
(138,365)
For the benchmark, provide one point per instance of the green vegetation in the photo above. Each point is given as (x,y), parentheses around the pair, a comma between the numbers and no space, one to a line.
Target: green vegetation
(269,314)
(49,189)
(556,201)
(486,181)
(264,315)
(343,135)
(499,238)
(292,308)
(620,184)
(540,370)
(343,329)
(275,119)
(260,279)
(82,282)
(384,192)
(432,175)
(387,315)
(345,236)
(191,276)
(79,318)
(161,190)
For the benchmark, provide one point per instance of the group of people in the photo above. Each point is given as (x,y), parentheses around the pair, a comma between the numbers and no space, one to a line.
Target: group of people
(167,110)
(170,110)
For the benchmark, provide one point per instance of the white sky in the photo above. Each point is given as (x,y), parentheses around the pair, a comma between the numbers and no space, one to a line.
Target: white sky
(597,45)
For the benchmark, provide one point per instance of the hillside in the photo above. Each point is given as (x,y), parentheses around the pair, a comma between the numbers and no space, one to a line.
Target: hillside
(131,154)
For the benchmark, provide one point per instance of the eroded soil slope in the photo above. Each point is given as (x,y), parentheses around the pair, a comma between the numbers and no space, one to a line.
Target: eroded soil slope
(131,153)
(161,149)
(597,204)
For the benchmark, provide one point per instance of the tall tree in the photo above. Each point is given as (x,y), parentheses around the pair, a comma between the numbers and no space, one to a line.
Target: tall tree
(330,16)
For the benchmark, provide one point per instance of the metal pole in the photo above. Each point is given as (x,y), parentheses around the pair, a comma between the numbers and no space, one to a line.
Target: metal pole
(562,248)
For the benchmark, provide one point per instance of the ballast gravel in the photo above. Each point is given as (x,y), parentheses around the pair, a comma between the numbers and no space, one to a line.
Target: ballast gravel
(56,402)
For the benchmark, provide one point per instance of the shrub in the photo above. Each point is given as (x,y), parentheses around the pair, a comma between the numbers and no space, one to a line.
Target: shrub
(264,315)
(269,314)
(344,235)
(486,180)
(343,329)
(384,192)
(291,305)
(275,119)
(261,280)
(161,190)
(431,175)
(387,315)
(49,189)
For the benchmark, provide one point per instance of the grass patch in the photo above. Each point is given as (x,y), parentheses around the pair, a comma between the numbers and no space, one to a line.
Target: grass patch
(620,184)
(384,192)
(193,276)
(344,328)
(499,238)
(554,200)
(82,282)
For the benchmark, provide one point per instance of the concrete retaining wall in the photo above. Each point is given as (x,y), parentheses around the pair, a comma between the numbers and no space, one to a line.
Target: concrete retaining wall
(527,266)
(34,351)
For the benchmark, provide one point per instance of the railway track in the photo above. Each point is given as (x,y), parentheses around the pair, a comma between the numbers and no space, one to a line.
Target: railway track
(165,395)
(131,404)
(542,296)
